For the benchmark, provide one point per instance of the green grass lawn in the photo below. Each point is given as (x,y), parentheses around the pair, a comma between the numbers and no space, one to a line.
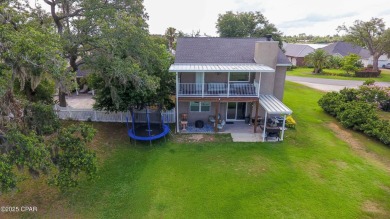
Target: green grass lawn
(307,72)
(384,115)
(312,174)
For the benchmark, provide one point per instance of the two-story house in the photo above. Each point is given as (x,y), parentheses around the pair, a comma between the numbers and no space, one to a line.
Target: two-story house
(229,79)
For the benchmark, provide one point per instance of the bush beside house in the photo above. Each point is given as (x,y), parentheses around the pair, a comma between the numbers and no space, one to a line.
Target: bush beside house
(357,109)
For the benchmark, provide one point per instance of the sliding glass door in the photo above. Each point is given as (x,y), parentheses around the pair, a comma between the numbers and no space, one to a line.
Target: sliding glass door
(235,111)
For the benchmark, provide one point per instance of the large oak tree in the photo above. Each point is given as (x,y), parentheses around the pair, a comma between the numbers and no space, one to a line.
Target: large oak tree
(371,34)
(246,24)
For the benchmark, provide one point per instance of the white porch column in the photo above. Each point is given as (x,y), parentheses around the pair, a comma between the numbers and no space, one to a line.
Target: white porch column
(258,88)
(202,84)
(177,102)
(228,87)
(265,125)
(284,124)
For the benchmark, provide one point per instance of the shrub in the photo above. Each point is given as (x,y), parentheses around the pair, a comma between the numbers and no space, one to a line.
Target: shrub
(72,156)
(7,177)
(383,131)
(292,67)
(374,94)
(331,102)
(349,94)
(367,73)
(369,82)
(44,92)
(334,62)
(355,114)
(290,122)
(41,118)
(356,109)
(350,63)
(379,129)
(369,128)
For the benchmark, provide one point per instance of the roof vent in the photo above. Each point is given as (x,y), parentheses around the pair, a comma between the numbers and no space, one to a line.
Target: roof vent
(269,37)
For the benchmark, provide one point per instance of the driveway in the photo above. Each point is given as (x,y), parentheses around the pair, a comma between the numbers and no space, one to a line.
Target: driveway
(329,84)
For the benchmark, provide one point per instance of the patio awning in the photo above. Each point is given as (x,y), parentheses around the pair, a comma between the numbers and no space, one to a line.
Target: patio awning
(220,67)
(272,105)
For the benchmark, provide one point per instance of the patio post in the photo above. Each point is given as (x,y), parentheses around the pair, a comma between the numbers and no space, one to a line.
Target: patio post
(177,103)
(216,116)
(256,116)
(284,124)
(265,125)
(202,84)
(258,88)
(228,85)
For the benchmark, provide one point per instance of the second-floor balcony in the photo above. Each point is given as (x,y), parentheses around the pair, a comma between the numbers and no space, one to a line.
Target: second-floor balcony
(219,89)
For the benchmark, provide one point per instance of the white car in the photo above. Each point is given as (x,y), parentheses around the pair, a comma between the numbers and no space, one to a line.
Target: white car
(386,66)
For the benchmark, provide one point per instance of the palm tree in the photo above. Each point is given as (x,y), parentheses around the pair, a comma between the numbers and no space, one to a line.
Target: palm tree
(171,35)
(317,59)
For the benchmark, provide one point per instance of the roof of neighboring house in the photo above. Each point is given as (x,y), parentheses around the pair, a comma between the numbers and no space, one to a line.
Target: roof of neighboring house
(219,50)
(297,50)
(344,48)
(81,72)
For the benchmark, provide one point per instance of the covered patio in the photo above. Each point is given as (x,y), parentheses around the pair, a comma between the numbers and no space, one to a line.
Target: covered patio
(230,127)
(273,107)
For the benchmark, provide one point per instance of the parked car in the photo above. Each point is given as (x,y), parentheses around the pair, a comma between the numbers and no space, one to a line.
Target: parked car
(386,66)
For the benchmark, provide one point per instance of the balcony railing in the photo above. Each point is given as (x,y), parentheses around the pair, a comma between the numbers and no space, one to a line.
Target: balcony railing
(218,89)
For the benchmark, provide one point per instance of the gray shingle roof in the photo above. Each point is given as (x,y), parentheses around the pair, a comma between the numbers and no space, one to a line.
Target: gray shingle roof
(219,50)
(297,50)
(344,48)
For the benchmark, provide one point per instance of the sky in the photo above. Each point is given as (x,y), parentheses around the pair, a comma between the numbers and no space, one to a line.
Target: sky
(291,17)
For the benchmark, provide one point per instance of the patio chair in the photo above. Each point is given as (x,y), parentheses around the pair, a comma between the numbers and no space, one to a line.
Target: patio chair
(221,125)
(212,118)
(85,89)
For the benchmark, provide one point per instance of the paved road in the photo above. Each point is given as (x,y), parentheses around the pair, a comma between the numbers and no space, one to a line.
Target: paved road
(329,84)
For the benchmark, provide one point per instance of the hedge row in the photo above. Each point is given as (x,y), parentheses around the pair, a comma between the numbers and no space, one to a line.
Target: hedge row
(367,73)
(355,111)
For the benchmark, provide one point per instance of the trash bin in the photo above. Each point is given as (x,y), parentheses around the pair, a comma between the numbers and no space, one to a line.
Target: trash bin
(199,124)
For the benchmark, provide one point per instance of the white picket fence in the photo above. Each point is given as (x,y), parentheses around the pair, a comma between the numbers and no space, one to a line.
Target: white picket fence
(102,116)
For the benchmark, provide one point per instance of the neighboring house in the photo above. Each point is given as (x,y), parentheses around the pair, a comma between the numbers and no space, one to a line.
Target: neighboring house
(382,61)
(296,53)
(82,72)
(231,77)
(342,49)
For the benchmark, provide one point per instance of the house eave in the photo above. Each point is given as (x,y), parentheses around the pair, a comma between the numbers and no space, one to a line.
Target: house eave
(220,67)
(284,65)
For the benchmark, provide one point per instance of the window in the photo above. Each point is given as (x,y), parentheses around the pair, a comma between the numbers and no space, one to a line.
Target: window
(239,76)
(200,106)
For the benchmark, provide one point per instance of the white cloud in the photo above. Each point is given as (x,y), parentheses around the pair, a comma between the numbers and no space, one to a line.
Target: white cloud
(291,17)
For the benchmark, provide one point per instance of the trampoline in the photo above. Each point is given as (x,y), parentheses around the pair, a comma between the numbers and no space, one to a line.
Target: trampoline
(146,125)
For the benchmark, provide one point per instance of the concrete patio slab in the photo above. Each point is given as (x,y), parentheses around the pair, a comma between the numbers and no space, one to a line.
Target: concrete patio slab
(247,137)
